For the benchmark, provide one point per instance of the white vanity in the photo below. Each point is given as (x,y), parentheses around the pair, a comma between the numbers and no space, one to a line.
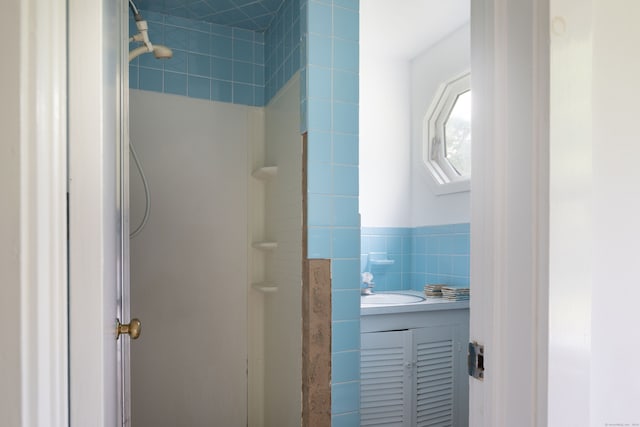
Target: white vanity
(413,362)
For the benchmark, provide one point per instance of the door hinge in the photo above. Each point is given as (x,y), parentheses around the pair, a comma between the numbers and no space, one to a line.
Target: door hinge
(475,360)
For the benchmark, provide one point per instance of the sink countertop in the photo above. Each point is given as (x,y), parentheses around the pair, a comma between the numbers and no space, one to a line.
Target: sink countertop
(429,304)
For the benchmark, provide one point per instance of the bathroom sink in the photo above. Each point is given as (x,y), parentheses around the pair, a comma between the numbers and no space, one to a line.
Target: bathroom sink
(390,298)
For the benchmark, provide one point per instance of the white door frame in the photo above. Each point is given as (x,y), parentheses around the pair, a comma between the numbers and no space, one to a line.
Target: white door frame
(43,213)
(95,245)
(509,210)
(509,262)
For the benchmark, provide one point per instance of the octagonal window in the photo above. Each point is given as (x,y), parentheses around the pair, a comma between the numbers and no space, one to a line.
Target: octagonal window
(457,135)
(447,136)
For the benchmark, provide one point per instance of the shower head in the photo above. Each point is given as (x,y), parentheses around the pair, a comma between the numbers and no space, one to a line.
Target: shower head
(159,51)
(162,52)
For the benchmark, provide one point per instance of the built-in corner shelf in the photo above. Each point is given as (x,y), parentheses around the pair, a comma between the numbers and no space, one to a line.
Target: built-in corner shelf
(265,246)
(265,173)
(266,287)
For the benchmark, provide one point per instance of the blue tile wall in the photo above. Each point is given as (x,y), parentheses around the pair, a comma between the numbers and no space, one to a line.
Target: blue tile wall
(210,61)
(392,244)
(346,420)
(440,254)
(220,63)
(432,254)
(329,114)
(282,53)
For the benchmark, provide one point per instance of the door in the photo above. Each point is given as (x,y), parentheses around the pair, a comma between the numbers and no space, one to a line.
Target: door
(440,397)
(509,211)
(97,215)
(386,378)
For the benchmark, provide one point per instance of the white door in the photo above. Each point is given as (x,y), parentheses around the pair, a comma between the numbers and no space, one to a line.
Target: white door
(98,233)
(509,210)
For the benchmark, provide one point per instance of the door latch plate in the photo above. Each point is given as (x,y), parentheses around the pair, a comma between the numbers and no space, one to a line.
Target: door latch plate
(475,360)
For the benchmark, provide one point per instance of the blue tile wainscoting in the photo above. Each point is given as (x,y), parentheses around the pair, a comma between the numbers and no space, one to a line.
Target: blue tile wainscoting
(440,254)
(217,62)
(386,253)
(413,257)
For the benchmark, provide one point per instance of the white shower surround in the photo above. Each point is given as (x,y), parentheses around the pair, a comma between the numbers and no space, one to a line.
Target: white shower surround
(189,265)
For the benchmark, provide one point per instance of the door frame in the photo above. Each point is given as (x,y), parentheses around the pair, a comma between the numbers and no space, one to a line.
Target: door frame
(43,321)
(44,355)
(95,210)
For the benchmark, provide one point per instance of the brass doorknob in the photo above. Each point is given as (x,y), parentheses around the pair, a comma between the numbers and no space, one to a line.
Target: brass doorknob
(133,329)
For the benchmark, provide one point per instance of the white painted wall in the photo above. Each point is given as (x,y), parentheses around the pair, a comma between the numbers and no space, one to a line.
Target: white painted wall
(395,94)
(384,138)
(10,387)
(615,380)
(439,63)
(189,269)
(571,214)
(595,206)
(283,317)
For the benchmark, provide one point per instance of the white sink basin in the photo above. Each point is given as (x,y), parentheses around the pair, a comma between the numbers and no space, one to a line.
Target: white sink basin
(389,298)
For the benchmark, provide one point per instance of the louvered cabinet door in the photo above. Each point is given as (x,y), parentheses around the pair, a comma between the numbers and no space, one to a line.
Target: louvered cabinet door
(385,382)
(435,351)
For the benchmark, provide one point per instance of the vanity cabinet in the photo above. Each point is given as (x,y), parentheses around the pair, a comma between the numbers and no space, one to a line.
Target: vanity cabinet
(414,375)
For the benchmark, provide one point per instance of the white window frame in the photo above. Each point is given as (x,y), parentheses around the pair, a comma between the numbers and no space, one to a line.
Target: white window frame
(444,176)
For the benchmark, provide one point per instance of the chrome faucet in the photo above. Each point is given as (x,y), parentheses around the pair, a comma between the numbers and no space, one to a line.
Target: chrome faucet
(367,284)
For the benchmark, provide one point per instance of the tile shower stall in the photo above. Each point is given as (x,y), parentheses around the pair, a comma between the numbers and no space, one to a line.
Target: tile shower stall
(212,107)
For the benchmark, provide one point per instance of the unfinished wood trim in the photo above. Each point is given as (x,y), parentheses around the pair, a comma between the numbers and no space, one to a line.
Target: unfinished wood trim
(316,343)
